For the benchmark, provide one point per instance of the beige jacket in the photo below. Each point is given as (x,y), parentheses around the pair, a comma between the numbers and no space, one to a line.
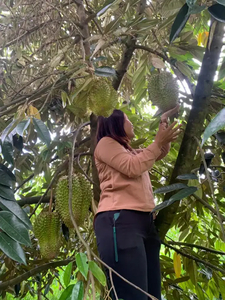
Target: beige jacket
(124,177)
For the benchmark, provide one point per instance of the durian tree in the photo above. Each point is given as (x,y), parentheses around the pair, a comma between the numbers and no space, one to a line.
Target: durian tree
(62,64)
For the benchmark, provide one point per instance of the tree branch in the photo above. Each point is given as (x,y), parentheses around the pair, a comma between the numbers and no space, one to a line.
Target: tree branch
(33,97)
(197,246)
(33,200)
(85,31)
(153,52)
(25,181)
(125,61)
(25,276)
(35,28)
(213,267)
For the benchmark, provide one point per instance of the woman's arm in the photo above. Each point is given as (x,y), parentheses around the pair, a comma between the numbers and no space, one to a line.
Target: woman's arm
(116,156)
(165,149)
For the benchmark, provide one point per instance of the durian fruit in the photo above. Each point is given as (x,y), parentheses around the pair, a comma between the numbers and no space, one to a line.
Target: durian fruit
(102,97)
(163,91)
(81,199)
(47,230)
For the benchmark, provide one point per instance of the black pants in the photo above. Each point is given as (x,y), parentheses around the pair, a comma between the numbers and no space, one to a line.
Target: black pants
(129,243)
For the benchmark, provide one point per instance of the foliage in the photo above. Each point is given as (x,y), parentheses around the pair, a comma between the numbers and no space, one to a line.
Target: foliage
(46,48)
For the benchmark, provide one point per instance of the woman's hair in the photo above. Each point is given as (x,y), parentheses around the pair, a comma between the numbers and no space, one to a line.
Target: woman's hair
(113,127)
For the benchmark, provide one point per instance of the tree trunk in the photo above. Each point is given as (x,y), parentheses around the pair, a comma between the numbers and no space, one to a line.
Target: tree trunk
(195,126)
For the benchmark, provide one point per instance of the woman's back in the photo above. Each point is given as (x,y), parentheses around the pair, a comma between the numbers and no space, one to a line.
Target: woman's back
(123,175)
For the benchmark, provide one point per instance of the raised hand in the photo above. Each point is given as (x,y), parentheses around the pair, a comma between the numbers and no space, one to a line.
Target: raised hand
(167,135)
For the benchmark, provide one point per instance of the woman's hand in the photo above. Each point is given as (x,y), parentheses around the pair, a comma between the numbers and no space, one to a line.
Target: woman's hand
(167,135)
(169,113)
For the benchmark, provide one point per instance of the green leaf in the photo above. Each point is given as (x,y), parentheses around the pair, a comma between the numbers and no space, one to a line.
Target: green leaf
(200,293)
(182,194)
(215,125)
(66,294)
(221,285)
(179,22)
(221,74)
(221,2)
(67,274)
(160,206)
(7,152)
(8,172)
(6,193)
(64,97)
(196,9)
(218,12)
(5,179)
(178,196)
(187,176)
(192,270)
(47,289)
(14,228)
(88,82)
(22,126)
(82,263)
(97,272)
(14,207)
(42,131)
(103,10)
(7,130)
(181,279)
(170,188)
(78,291)
(105,71)
(12,248)
(184,68)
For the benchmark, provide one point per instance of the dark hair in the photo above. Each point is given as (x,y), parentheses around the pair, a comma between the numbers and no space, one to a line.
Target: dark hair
(113,127)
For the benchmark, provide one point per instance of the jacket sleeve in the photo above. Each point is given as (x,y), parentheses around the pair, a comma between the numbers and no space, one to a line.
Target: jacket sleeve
(116,156)
(164,151)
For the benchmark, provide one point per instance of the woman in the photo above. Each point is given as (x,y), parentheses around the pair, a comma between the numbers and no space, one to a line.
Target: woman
(126,235)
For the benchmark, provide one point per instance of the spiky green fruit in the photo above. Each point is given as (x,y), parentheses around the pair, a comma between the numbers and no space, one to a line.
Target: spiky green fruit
(47,230)
(102,97)
(81,199)
(163,91)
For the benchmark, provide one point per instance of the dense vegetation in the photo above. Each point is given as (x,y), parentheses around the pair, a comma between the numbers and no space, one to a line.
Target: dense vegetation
(47,47)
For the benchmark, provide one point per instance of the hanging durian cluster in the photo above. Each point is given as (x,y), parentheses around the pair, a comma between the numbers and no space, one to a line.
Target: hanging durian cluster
(163,91)
(102,97)
(47,224)
(98,96)
(81,199)
(47,230)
